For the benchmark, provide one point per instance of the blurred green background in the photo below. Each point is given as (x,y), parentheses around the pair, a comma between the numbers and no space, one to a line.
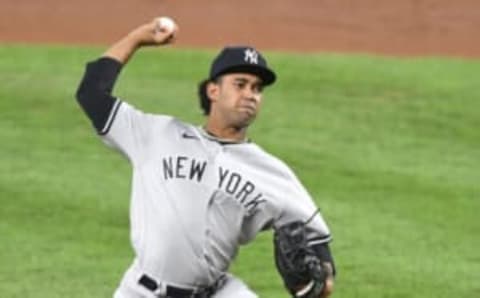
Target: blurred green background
(389,147)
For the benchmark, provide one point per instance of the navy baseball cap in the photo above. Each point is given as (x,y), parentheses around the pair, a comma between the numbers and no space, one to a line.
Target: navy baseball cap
(242,59)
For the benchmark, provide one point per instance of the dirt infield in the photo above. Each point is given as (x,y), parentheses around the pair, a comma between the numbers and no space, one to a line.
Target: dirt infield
(407,27)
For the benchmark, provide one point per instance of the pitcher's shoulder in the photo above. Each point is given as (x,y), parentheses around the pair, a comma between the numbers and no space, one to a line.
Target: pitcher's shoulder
(269,160)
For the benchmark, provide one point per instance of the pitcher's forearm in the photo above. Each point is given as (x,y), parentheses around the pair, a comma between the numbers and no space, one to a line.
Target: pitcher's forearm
(123,49)
(149,34)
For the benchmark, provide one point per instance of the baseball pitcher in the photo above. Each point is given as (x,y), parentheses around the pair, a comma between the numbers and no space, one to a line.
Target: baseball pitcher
(199,192)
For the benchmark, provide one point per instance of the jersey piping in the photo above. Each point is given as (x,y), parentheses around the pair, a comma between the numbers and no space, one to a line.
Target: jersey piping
(319,240)
(111,117)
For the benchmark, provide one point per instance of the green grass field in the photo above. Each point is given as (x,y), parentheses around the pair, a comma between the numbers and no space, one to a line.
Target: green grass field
(390,148)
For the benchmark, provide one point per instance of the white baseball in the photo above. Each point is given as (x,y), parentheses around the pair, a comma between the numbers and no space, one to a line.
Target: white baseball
(166,24)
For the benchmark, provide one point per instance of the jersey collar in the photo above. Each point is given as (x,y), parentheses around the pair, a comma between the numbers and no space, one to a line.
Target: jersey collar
(221,141)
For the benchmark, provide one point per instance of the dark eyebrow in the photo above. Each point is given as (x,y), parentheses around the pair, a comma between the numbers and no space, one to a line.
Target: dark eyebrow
(245,80)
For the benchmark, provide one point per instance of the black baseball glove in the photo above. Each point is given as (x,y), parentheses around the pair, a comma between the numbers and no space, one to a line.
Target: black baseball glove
(302,271)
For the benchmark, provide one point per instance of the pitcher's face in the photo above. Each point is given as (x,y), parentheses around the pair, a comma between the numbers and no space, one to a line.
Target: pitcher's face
(236,99)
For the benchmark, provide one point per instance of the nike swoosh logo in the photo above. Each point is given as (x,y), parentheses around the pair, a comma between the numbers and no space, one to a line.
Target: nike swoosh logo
(188,136)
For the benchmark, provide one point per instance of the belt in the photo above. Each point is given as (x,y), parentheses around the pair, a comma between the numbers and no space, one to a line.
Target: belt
(168,291)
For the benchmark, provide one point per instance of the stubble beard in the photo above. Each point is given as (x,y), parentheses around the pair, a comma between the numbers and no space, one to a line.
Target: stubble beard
(243,120)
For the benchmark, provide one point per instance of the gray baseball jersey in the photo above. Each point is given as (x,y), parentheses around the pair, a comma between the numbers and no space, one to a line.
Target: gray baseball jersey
(195,198)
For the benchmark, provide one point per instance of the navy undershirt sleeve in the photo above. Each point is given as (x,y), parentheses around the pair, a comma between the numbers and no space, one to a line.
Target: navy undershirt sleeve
(94,92)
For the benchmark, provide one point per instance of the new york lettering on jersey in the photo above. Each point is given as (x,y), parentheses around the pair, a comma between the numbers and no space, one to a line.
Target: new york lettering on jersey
(231,182)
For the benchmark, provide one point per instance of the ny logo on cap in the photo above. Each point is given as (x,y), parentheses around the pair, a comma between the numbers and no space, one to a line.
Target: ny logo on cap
(251,56)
